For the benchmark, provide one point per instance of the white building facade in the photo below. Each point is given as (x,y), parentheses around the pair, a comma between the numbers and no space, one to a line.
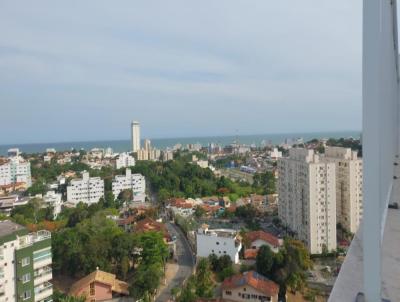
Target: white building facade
(87,189)
(15,170)
(349,206)
(219,242)
(124,160)
(129,181)
(53,199)
(307,199)
(25,264)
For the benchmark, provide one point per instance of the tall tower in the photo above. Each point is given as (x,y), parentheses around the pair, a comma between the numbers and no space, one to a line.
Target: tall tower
(135,136)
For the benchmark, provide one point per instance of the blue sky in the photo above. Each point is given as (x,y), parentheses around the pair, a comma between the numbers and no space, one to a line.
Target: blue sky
(82,70)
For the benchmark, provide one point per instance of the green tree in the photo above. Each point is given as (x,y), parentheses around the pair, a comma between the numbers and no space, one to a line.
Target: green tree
(265,261)
(204,283)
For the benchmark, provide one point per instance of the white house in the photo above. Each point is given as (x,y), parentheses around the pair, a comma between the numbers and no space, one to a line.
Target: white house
(53,199)
(87,189)
(129,181)
(275,154)
(260,238)
(219,242)
(124,160)
(249,287)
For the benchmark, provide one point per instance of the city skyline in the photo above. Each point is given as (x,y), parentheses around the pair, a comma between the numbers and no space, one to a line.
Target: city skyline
(197,71)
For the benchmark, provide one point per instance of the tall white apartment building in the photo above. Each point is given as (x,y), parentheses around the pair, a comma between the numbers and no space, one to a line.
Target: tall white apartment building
(124,160)
(349,206)
(87,189)
(15,169)
(129,181)
(135,136)
(25,264)
(307,198)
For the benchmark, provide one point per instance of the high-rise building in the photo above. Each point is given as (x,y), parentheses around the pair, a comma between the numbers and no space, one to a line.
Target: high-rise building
(87,189)
(25,264)
(135,136)
(307,199)
(349,207)
(147,144)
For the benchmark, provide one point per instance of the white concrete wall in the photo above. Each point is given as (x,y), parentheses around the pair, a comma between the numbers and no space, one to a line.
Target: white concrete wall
(208,244)
(87,190)
(129,181)
(244,291)
(9,270)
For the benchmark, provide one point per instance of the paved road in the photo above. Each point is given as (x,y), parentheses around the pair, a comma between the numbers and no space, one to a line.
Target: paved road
(185,263)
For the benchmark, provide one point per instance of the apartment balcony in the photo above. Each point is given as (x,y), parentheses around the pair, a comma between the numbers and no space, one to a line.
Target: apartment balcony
(37,264)
(43,276)
(44,291)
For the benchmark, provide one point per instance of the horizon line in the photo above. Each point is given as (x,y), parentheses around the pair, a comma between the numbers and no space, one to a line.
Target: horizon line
(181,137)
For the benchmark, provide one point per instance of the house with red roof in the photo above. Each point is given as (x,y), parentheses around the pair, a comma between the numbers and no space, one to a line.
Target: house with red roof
(250,287)
(260,238)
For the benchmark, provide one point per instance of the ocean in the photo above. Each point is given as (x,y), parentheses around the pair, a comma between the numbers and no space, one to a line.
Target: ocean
(163,143)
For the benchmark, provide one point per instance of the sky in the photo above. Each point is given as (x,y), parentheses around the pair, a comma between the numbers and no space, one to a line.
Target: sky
(83,70)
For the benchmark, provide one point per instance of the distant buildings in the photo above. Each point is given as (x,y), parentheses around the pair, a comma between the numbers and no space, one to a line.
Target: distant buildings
(87,189)
(25,264)
(148,153)
(124,160)
(15,170)
(349,173)
(219,242)
(307,198)
(249,286)
(129,181)
(167,155)
(135,136)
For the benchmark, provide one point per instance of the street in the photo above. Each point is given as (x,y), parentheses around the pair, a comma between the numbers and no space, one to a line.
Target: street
(185,263)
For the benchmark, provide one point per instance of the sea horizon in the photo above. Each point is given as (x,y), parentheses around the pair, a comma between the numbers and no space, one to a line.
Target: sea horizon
(122,145)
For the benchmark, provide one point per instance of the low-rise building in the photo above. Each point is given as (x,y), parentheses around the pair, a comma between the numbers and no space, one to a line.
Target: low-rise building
(99,286)
(25,264)
(219,242)
(249,286)
(53,199)
(7,203)
(256,239)
(87,189)
(129,181)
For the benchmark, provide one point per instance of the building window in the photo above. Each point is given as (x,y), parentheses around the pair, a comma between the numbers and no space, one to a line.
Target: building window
(26,278)
(92,289)
(228,292)
(25,261)
(26,295)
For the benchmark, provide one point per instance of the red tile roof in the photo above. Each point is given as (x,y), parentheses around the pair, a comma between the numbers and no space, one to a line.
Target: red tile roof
(148,224)
(253,279)
(261,235)
(250,253)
